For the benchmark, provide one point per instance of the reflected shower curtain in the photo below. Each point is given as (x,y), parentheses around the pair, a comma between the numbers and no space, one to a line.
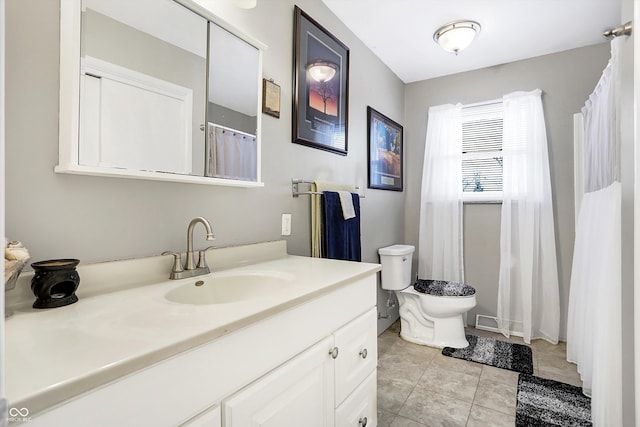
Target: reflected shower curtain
(440,245)
(528,282)
(232,154)
(594,325)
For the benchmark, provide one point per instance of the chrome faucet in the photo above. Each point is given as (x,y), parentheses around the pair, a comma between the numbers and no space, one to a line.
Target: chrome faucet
(191,269)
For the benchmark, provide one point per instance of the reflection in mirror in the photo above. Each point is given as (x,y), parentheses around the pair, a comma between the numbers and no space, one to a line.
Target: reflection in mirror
(137,102)
(232,108)
(143,83)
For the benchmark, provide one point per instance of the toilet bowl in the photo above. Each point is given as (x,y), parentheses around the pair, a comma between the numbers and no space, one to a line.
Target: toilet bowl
(431,311)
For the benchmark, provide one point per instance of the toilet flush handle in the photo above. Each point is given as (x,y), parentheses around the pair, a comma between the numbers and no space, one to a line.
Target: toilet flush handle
(404,258)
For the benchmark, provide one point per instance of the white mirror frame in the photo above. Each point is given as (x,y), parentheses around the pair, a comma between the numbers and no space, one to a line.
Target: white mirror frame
(69,107)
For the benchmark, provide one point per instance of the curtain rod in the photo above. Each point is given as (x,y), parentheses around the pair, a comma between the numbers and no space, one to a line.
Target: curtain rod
(230,129)
(622,30)
(482,103)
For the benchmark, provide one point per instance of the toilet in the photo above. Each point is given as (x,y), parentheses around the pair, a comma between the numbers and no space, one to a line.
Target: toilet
(431,311)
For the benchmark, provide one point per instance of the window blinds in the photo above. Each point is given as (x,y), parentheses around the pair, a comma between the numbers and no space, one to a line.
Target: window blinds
(482,147)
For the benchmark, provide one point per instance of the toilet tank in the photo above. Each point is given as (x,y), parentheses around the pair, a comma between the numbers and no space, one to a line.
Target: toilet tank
(396,266)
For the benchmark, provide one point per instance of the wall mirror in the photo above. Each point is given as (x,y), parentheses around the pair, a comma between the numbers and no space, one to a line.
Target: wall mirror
(232,112)
(172,98)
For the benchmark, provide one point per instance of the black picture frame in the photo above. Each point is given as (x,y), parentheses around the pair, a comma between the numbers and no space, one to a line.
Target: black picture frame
(385,152)
(320,108)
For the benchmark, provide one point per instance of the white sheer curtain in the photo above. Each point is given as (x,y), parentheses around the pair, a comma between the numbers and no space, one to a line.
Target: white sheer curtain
(232,154)
(594,326)
(528,282)
(440,244)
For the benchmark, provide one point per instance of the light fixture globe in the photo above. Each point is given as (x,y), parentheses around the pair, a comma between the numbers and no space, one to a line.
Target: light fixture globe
(322,71)
(457,35)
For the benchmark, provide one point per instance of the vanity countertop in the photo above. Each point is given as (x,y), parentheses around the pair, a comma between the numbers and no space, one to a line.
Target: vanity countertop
(55,354)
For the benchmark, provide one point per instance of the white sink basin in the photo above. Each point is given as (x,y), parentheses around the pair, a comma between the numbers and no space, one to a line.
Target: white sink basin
(229,288)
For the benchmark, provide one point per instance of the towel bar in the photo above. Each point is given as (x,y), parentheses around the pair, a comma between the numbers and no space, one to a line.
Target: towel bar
(295,189)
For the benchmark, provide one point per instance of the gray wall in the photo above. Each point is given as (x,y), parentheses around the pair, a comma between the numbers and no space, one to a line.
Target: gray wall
(224,116)
(566,79)
(96,219)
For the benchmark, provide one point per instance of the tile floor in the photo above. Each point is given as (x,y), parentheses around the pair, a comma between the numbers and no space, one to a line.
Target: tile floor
(418,386)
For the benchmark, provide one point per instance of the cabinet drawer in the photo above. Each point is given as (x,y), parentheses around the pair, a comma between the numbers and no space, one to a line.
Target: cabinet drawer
(358,353)
(360,409)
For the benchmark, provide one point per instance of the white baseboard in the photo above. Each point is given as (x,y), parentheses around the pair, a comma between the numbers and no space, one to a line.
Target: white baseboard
(490,323)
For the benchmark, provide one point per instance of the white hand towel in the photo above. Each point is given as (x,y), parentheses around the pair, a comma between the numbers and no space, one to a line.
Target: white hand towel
(348,211)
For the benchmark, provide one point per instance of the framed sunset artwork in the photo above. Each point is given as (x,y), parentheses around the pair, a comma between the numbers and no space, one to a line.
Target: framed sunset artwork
(320,87)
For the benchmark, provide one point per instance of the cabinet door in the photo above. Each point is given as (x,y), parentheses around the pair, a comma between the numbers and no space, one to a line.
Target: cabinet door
(358,353)
(360,408)
(299,393)
(209,418)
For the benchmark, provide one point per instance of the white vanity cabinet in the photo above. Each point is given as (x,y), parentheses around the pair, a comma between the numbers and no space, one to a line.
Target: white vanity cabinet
(360,409)
(276,369)
(357,354)
(355,372)
(209,418)
(331,384)
(299,393)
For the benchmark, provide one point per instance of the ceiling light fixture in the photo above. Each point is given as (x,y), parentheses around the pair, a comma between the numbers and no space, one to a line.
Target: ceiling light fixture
(245,4)
(457,35)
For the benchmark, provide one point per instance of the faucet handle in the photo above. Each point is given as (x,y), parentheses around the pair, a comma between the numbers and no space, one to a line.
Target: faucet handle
(177,261)
(202,259)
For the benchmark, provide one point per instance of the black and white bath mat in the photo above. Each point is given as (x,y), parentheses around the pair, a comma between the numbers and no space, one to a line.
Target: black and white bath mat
(489,351)
(543,402)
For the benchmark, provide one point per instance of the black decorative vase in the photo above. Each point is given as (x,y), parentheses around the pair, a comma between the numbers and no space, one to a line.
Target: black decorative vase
(55,282)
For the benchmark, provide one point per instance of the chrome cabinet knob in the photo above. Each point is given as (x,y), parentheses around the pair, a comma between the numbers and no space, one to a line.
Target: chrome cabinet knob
(362,421)
(363,353)
(334,352)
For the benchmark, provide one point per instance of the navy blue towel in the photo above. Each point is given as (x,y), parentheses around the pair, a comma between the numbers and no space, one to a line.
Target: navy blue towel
(340,237)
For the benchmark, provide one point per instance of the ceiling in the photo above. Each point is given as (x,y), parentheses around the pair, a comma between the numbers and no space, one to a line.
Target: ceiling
(400,32)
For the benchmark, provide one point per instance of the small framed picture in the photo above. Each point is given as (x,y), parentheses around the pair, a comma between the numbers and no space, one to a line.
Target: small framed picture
(385,151)
(270,98)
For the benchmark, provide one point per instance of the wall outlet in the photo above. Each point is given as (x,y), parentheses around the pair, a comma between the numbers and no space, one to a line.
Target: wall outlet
(286,224)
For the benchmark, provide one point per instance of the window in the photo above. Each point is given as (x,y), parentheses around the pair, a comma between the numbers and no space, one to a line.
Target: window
(482,151)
